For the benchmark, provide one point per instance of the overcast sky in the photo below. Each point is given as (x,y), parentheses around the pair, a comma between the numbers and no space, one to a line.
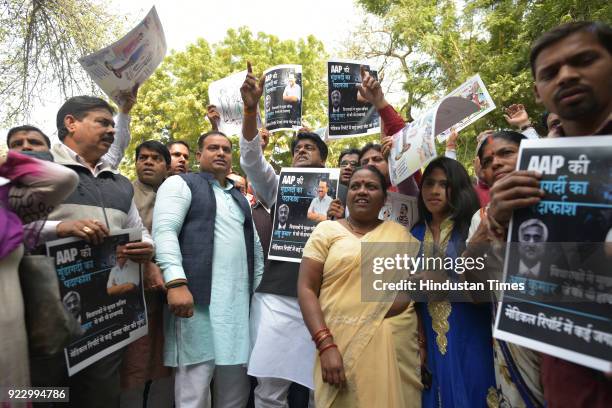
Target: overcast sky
(186,20)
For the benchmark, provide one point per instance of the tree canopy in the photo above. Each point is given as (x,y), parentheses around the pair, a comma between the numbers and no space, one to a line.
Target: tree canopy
(40,44)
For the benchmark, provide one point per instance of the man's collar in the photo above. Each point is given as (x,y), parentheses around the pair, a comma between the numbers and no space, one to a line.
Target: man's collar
(65,155)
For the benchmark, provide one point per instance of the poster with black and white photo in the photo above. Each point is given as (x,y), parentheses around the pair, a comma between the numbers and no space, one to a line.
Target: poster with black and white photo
(302,201)
(559,254)
(347,115)
(282,93)
(104,292)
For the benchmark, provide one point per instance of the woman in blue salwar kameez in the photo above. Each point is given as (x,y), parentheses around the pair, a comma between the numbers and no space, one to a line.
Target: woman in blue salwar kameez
(457,333)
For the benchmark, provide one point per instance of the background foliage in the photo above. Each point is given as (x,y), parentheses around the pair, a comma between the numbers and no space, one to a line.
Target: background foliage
(428,47)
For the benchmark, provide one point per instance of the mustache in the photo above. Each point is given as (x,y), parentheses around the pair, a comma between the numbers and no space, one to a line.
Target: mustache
(109,137)
(570,89)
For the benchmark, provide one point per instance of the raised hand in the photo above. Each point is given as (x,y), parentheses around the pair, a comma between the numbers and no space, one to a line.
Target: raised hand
(251,89)
(370,90)
(213,116)
(130,98)
(517,116)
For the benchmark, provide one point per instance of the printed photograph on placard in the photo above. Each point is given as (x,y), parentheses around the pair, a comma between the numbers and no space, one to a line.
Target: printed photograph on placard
(559,253)
(282,96)
(304,196)
(348,115)
(104,292)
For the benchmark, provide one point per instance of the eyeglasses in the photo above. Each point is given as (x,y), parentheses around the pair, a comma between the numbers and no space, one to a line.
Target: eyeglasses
(346,163)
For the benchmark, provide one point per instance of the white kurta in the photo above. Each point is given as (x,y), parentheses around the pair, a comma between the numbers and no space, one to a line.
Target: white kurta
(282,347)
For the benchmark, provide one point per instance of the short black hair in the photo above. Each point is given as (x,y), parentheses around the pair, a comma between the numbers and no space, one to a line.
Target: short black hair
(79,107)
(182,142)
(368,147)
(602,31)
(26,128)
(211,133)
(507,135)
(350,150)
(379,175)
(156,146)
(323,151)
(460,194)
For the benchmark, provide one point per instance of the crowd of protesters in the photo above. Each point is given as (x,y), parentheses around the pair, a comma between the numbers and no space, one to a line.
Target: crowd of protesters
(228,327)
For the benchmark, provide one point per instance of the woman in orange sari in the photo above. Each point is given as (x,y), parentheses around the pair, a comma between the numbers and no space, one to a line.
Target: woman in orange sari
(368,350)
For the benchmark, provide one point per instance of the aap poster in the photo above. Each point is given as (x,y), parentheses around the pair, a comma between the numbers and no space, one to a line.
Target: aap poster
(127,63)
(104,292)
(303,198)
(282,94)
(559,254)
(348,116)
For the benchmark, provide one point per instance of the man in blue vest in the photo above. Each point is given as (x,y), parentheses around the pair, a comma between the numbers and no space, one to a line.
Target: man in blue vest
(212,260)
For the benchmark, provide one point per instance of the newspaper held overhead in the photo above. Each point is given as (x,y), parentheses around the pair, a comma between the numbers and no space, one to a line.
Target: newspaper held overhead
(126,64)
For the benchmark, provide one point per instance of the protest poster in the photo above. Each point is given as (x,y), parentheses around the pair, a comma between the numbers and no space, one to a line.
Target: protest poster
(282,94)
(414,146)
(303,198)
(104,292)
(225,95)
(348,116)
(127,63)
(400,208)
(558,254)
(473,90)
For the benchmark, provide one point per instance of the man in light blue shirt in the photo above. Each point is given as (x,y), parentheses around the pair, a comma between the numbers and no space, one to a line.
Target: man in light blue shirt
(212,261)
(317,211)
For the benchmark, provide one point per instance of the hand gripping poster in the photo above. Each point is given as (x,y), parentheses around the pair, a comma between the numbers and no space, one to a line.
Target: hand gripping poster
(414,146)
(126,64)
(302,201)
(558,298)
(104,292)
(349,115)
(282,95)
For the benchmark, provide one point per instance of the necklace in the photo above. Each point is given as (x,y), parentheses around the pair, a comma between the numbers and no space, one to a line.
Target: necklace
(352,227)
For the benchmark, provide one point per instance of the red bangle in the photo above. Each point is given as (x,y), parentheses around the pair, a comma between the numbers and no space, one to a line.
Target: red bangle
(320,340)
(332,345)
(325,329)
